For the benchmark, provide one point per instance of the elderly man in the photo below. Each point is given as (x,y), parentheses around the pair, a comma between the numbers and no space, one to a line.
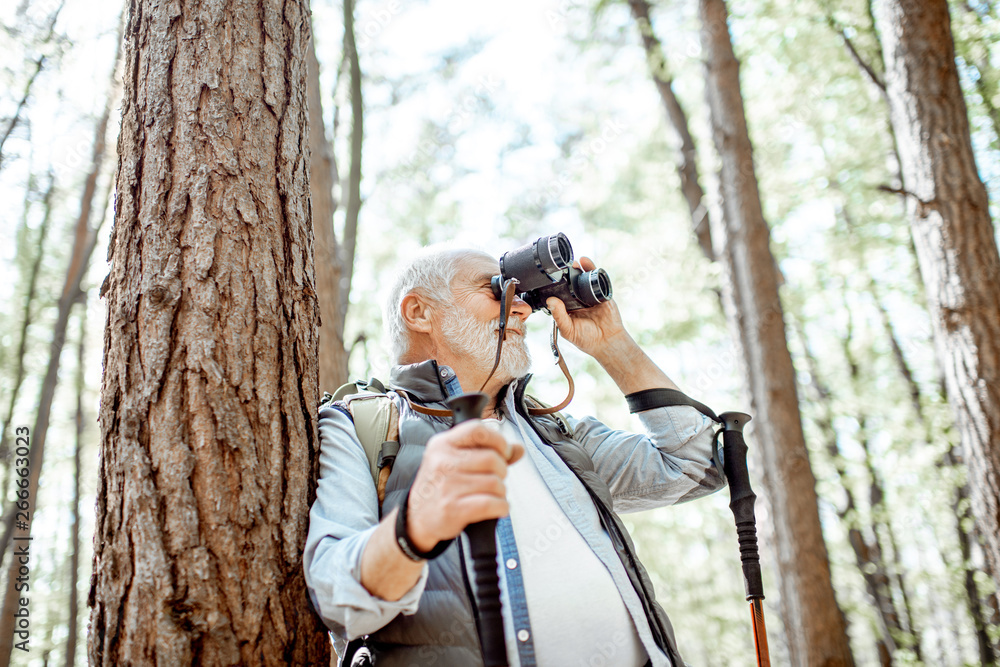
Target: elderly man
(572,588)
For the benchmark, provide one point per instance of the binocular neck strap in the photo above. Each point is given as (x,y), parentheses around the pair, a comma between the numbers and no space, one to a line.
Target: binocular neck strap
(565,369)
(507,295)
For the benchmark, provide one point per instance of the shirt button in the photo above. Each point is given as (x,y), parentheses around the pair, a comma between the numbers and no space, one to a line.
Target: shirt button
(523,635)
(511,563)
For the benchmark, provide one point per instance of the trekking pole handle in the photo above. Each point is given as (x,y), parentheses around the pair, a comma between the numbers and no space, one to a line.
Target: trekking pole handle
(483,548)
(742,499)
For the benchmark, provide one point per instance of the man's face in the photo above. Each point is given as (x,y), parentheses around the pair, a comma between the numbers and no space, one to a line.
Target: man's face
(470,324)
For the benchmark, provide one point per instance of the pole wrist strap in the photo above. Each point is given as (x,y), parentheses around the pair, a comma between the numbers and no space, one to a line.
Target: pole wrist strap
(647,399)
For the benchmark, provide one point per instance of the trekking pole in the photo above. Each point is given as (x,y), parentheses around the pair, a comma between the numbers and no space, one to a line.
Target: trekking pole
(742,498)
(483,547)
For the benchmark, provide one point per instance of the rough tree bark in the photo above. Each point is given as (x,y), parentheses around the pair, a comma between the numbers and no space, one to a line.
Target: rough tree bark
(208,402)
(815,625)
(953,235)
(329,263)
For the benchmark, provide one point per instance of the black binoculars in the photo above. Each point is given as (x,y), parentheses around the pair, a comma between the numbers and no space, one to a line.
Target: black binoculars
(545,268)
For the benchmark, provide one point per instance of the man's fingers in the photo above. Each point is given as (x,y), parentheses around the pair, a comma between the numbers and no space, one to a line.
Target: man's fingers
(472,434)
(587,264)
(482,461)
(559,314)
(474,484)
(480,507)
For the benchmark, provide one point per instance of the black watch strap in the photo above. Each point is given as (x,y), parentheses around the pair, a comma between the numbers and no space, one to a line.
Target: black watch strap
(647,399)
(406,545)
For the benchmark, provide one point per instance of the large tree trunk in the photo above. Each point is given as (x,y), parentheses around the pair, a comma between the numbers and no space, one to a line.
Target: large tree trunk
(322,171)
(815,626)
(208,403)
(953,235)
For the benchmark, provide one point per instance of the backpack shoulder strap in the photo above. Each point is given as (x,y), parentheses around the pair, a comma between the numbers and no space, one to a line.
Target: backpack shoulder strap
(376,421)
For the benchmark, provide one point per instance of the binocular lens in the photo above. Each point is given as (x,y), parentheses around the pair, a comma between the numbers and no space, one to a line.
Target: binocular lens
(560,252)
(592,287)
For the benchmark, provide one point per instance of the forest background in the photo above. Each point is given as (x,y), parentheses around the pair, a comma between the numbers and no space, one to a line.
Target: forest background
(497,123)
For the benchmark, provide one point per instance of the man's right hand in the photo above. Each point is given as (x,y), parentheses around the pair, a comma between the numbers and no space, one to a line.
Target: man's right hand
(460,481)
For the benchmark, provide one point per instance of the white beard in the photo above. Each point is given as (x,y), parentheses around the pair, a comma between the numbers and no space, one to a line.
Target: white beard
(477,340)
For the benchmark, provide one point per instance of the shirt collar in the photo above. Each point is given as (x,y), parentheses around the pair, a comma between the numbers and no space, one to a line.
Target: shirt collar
(422,380)
(427,381)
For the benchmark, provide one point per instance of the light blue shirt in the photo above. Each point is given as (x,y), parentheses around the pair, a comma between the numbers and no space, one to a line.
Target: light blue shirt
(670,463)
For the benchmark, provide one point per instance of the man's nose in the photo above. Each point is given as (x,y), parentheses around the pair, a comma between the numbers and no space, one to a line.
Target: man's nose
(520,308)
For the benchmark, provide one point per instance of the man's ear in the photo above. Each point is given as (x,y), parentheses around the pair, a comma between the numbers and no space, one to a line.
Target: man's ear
(417,313)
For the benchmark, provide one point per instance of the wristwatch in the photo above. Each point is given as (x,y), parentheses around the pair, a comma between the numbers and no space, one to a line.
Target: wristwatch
(406,545)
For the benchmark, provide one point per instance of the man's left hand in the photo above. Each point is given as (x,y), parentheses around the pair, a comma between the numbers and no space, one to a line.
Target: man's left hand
(596,330)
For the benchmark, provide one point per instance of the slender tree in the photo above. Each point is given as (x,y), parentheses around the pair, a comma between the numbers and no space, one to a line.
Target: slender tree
(687,154)
(22,348)
(74,537)
(208,401)
(815,626)
(953,234)
(35,68)
(329,260)
(352,189)
(84,240)
(868,552)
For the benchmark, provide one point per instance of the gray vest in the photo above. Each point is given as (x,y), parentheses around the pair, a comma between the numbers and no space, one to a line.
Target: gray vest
(443,631)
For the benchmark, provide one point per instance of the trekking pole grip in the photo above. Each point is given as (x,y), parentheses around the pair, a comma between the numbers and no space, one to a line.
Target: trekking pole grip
(742,499)
(483,548)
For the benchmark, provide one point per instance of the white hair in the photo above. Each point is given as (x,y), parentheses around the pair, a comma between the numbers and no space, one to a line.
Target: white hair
(430,273)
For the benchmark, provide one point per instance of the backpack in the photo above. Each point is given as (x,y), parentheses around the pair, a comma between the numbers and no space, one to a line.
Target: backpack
(376,420)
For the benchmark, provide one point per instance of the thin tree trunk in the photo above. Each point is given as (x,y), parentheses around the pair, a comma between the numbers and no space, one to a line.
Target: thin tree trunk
(960,503)
(16,118)
(22,347)
(868,553)
(74,540)
(353,190)
(953,235)
(687,155)
(815,626)
(39,64)
(84,240)
(984,83)
(332,354)
(208,403)
(880,516)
